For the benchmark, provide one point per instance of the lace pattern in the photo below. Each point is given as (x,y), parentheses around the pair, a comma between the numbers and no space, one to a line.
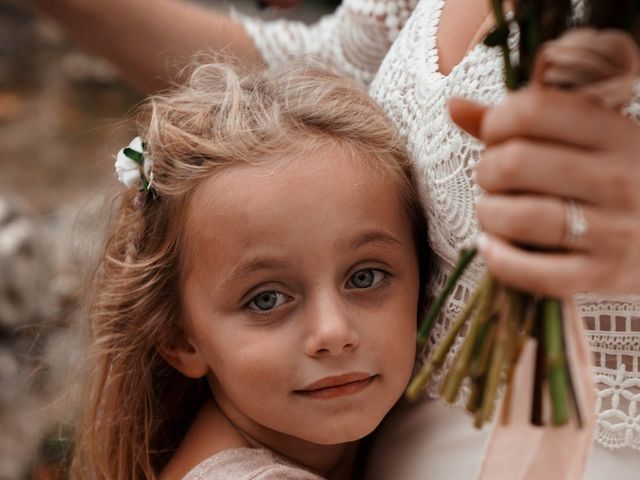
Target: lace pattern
(413,93)
(353,40)
(613,331)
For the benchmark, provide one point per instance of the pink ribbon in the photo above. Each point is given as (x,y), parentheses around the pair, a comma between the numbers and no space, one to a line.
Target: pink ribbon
(519,450)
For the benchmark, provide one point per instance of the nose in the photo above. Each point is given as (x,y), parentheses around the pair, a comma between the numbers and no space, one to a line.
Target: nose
(331,329)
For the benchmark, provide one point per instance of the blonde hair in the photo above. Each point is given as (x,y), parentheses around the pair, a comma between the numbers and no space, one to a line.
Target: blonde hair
(139,407)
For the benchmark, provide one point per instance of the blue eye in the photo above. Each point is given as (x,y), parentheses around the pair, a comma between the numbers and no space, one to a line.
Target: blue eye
(366,278)
(267,300)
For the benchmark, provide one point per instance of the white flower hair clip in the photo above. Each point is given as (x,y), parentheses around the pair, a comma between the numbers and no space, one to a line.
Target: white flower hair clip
(134,166)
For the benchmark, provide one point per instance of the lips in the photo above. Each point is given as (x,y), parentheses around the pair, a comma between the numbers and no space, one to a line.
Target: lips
(337,386)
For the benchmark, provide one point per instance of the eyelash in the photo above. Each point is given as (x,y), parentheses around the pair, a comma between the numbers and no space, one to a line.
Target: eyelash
(257,310)
(382,281)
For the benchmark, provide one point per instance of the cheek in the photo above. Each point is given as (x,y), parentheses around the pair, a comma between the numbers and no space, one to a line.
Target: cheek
(403,349)
(255,381)
(405,324)
(250,363)
(394,333)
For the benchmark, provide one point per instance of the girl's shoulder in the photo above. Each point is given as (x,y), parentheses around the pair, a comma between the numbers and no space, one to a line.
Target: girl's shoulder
(226,454)
(209,434)
(248,464)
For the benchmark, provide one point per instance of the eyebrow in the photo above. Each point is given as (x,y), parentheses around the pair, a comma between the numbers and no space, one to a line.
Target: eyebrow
(375,236)
(245,269)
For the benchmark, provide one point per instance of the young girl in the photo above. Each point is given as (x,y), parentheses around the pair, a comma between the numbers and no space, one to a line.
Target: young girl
(417,54)
(255,311)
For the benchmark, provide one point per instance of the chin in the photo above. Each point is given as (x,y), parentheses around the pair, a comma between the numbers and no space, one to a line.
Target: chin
(343,433)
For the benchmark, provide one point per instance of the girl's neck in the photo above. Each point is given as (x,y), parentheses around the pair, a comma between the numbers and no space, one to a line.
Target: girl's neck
(212,432)
(334,462)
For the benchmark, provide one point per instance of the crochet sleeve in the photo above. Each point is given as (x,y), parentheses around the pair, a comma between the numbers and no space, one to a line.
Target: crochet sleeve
(353,40)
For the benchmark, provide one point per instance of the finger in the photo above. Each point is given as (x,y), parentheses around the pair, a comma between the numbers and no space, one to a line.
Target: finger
(569,66)
(526,220)
(545,113)
(601,64)
(545,273)
(543,222)
(467,115)
(615,46)
(608,180)
(526,166)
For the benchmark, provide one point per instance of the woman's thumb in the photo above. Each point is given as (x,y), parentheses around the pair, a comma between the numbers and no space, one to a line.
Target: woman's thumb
(467,115)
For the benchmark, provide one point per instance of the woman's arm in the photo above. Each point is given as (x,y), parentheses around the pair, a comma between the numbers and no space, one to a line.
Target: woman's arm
(150,41)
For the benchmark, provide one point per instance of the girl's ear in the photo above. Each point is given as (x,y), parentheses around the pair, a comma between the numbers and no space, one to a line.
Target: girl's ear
(185,357)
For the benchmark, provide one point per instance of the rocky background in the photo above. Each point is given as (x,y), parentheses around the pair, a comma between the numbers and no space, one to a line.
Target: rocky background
(62,118)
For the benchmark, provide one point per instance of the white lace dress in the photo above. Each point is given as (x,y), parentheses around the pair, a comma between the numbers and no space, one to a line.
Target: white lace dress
(391,46)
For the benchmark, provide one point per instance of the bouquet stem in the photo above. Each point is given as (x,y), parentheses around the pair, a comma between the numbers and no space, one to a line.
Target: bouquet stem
(556,361)
(466,256)
(500,320)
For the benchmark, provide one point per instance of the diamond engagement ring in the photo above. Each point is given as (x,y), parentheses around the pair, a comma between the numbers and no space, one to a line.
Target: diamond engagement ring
(576,224)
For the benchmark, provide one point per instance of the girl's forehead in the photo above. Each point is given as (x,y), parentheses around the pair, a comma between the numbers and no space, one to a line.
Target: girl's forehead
(304,176)
(325,194)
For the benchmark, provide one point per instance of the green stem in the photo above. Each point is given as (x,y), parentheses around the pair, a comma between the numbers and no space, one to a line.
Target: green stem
(498,357)
(466,256)
(475,397)
(436,359)
(482,351)
(517,301)
(572,390)
(510,79)
(479,368)
(539,371)
(556,361)
(460,366)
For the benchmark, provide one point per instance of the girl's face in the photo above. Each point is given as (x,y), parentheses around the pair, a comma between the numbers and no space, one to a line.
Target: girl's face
(300,288)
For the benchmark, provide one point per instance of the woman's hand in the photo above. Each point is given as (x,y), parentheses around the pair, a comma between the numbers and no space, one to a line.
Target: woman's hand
(554,159)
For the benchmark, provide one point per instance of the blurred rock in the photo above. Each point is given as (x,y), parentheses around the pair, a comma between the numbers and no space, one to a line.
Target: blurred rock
(80,67)
(19,45)
(44,264)
(11,106)
(25,269)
